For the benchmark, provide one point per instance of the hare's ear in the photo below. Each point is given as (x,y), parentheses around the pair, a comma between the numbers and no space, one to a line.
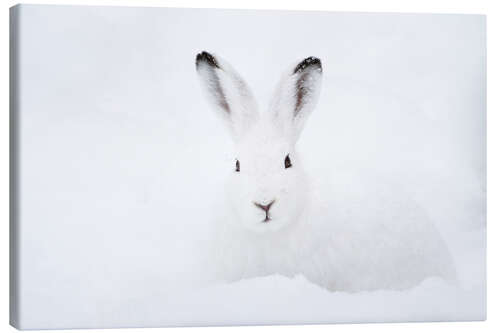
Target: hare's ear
(296,96)
(227,92)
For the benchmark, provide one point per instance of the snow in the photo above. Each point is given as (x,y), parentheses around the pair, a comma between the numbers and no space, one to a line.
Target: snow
(121,158)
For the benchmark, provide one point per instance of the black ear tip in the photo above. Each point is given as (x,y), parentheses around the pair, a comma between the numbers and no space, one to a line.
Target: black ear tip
(309,62)
(205,57)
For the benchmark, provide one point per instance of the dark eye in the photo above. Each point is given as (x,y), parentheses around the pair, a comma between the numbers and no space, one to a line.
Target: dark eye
(288,163)
(237,166)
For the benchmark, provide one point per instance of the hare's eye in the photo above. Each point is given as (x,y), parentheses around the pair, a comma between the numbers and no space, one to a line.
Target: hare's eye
(237,166)
(288,163)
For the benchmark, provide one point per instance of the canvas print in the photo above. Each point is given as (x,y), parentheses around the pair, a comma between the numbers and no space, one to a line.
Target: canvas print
(191,167)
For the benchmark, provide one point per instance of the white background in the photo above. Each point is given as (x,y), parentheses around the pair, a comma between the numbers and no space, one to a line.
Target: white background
(383,6)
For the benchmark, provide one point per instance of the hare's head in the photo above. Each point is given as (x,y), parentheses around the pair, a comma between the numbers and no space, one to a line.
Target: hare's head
(268,187)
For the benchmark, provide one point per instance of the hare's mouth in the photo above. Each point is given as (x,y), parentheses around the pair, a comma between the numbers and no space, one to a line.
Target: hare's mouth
(266,207)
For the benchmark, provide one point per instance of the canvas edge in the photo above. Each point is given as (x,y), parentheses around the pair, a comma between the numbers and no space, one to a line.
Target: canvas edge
(14,306)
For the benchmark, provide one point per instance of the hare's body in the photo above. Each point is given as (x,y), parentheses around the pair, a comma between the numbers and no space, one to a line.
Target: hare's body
(351,240)
(274,220)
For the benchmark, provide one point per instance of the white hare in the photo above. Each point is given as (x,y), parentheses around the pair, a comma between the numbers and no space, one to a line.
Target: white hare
(274,221)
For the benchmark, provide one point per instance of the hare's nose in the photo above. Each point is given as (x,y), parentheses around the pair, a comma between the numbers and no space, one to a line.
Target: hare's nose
(265,207)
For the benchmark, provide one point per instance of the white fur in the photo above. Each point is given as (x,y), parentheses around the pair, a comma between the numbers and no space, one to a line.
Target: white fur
(382,245)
